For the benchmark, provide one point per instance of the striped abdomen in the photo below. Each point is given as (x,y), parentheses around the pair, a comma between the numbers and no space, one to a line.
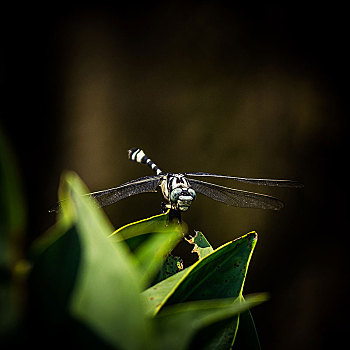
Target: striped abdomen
(139,156)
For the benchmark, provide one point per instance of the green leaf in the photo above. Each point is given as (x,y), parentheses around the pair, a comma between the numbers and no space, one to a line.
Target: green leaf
(136,233)
(156,296)
(55,257)
(201,245)
(151,240)
(220,274)
(141,227)
(171,266)
(152,254)
(12,211)
(101,282)
(247,336)
(12,224)
(194,321)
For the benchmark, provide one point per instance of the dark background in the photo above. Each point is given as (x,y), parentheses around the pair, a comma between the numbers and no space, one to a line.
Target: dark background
(255,91)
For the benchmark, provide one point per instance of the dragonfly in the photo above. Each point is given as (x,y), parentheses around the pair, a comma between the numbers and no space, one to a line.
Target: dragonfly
(180,189)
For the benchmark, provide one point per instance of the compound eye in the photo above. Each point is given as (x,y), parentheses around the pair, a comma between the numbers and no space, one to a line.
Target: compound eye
(175,193)
(192,193)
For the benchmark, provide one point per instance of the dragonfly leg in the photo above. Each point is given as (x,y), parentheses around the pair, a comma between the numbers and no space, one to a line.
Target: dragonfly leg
(163,208)
(175,216)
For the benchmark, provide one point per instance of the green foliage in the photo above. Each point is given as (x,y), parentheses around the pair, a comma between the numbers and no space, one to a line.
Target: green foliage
(12,222)
(92,287)
(201,245)
(151,241)
(219,274)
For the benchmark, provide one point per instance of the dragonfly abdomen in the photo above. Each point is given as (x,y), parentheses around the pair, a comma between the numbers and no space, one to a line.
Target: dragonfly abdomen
(139,156)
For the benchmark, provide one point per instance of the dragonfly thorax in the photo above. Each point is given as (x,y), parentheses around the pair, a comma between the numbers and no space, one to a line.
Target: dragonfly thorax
(177,191)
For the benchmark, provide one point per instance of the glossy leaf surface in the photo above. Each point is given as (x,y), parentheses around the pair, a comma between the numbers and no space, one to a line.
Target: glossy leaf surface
(202,246)
(84,276)
(151,240)
(220,274)
(198,318)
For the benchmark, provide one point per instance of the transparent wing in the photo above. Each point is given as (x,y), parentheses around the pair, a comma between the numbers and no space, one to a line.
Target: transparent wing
(265,182)
(236,198)
(113,195)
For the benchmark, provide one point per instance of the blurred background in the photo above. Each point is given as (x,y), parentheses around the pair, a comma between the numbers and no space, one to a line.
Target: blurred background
(253,91)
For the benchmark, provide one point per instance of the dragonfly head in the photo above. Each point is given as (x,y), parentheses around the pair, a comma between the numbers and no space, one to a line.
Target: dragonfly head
(182,197)
(179,192)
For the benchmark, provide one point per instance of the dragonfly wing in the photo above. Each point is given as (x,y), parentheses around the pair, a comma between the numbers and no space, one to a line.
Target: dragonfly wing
(113,195)
(236,198)
(265,182)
